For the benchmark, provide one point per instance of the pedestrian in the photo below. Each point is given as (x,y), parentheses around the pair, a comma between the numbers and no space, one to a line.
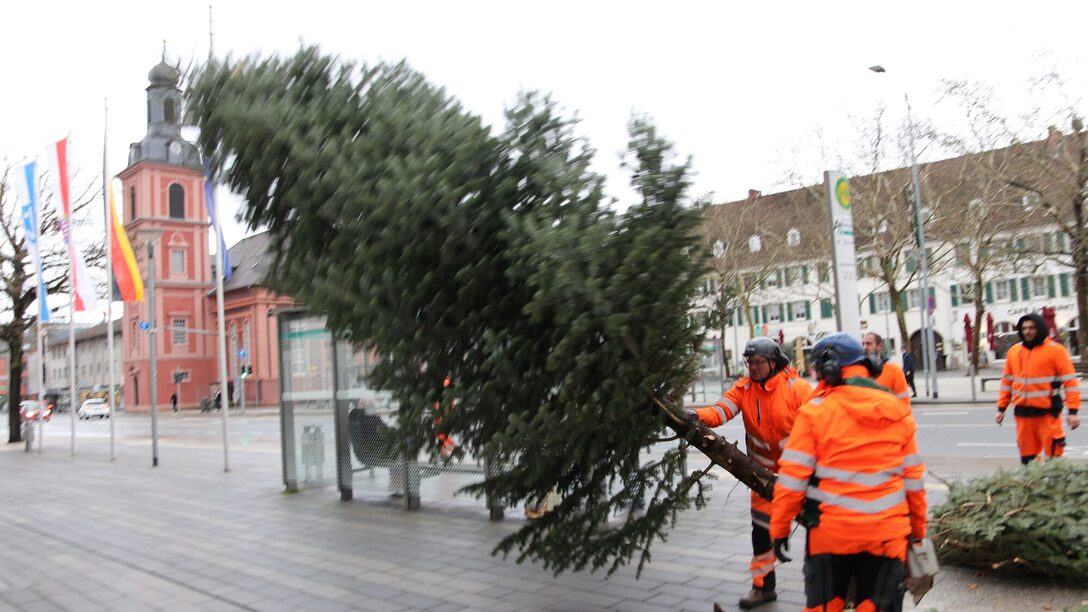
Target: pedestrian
(908,370)
(891,376)
(768,398)
(218,400)
(1037,370)
(851,470)
(174,402)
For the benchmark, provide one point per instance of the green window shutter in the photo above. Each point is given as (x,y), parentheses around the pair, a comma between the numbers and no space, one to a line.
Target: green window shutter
(804,275)
(872,303)
(781,274)
(763,314)
(1012,290)
(789,311)
(825,308)
(989,293)
(825,273)
(755,315)
(1064,281)
(808,311)
(955,291)
(1050,289)
(1025,289)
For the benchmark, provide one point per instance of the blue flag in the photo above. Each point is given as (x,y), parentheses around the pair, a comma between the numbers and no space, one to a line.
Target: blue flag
(209,201)
(27,185)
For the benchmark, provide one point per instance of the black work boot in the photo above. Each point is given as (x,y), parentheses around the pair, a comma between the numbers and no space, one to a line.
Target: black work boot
(756,597)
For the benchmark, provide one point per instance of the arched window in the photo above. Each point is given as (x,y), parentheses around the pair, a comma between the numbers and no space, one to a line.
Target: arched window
(247,343)
(755,244)
(169,112)
(177,202)
(132,203)
(233,348)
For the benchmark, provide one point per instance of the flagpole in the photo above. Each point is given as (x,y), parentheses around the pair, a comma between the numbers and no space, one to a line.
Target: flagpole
(71,317)
(40,376)
(220,259)
(109,269)
(42,311)
(72,363)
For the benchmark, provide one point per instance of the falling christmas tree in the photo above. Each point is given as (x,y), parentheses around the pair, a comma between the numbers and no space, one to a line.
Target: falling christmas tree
(492,258)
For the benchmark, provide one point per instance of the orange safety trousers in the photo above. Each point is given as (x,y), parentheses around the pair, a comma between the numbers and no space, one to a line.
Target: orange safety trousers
(1040,435)
(763,559)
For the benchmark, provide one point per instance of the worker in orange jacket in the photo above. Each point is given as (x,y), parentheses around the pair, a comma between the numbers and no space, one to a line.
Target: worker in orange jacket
(768,398)
(891,376)
(1037,370)
(852,470)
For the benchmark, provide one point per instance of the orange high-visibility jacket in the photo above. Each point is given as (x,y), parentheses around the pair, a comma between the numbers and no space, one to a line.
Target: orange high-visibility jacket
(769,410)
(1029,373)
(853,450)
(893,379)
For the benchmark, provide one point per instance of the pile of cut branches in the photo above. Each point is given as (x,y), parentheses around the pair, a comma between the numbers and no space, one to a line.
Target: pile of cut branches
(1031,520)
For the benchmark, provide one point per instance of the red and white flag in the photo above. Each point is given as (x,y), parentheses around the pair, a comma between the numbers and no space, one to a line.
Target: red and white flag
(82,288)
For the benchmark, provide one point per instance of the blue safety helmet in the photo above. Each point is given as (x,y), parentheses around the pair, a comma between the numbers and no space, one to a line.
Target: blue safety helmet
(834,353)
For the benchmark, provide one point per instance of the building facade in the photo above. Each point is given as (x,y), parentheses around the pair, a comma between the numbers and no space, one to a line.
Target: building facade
(164,209)
(91,362)
(775,251)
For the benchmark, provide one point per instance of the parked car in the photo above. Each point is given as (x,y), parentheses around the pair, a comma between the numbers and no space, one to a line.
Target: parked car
(29,410)
(94,407)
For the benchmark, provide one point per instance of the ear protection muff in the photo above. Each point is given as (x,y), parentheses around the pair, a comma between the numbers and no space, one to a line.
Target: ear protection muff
(829,365)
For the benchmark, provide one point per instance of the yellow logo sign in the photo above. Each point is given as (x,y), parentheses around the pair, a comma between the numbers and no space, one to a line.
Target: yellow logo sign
(842,192)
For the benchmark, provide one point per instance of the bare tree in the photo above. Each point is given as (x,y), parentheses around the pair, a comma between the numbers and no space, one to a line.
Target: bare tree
(984,221)
(881,189)
(1046,167)
(752,243)
(18,287)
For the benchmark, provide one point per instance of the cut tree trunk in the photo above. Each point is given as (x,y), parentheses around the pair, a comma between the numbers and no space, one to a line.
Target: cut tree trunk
(730,458)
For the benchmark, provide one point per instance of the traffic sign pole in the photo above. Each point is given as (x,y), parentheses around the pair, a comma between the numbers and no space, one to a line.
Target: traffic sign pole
(242,354)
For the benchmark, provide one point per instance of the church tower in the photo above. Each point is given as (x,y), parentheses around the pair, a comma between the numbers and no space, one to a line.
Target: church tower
(163,203)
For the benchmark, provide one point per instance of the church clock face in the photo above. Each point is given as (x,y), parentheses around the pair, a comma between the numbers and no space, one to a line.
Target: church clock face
(175,150)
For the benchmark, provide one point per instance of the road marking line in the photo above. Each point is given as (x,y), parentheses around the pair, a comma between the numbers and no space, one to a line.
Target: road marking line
(1001,444)
(954,425)
(940,413)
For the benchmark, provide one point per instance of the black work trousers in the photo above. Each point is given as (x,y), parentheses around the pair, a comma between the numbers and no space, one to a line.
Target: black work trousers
(880,579)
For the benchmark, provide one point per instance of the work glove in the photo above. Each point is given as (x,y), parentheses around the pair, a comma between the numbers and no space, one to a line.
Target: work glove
(691,418)
(781,546)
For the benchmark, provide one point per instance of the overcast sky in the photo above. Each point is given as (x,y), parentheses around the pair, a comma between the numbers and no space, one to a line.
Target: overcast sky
(743,90)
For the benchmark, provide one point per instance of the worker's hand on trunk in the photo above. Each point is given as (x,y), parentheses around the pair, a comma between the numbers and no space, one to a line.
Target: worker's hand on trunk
(1074,421)
(691,418)
(1000,418)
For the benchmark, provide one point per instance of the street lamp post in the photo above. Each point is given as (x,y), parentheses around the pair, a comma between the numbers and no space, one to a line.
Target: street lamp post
(929,356)
(151,235)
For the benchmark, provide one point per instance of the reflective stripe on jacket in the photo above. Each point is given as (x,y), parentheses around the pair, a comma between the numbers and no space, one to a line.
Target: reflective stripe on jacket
(853,450)
(893,379)
(768,409)
(1030,374)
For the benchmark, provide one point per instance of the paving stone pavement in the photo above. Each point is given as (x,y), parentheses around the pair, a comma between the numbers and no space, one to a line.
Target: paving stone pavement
(85,533)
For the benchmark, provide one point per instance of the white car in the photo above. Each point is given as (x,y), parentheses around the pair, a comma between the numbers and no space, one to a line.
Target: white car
(94,407)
